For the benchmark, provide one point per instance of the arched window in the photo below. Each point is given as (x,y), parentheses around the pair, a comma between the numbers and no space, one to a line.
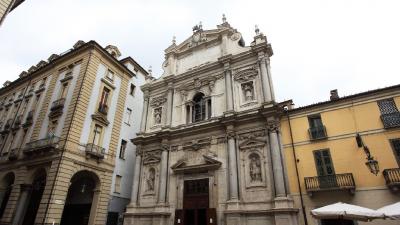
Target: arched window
(201,108)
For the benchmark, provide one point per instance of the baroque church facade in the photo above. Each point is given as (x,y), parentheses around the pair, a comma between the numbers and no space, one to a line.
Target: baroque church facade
(209,149)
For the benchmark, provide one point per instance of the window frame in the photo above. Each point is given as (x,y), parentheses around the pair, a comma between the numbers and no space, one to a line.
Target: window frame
(397,156)
(122,150)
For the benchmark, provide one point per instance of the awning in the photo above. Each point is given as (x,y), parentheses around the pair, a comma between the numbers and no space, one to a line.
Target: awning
(346,211)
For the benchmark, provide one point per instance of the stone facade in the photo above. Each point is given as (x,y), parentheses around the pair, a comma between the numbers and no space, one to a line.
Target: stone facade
(58,139)
(209,150)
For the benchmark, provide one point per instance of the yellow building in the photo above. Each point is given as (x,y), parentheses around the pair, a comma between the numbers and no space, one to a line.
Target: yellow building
(60,126)
(326,146)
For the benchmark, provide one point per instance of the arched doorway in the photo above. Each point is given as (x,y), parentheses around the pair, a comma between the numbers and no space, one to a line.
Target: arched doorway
(38,185)
(5,191)
(79,200)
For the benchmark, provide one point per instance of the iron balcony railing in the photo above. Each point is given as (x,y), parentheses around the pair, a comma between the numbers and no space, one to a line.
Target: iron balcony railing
(57,104)
(50,142)
(103,109)
(317,133)
(391,120)
(95,150)
(330,182)
(392,177)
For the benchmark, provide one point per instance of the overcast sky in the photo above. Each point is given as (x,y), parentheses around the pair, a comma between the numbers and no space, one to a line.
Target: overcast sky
(349,45)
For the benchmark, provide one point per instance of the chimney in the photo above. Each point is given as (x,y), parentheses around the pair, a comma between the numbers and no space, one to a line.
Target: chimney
(334,94)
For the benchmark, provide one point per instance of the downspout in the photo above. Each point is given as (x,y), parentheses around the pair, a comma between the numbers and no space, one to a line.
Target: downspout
(66,138)
(303,209)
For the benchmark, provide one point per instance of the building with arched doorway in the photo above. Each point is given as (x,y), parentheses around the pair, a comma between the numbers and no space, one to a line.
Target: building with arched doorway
(209,151)
(64,130)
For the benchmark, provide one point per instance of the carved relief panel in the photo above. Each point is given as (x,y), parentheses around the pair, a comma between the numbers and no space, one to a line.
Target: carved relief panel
(150,172)
(246,86)
(157,111)
(253,160)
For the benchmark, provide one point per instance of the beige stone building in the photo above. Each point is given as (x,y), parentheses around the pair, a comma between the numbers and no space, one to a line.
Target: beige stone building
(209,151)
(60,126)
(6,6)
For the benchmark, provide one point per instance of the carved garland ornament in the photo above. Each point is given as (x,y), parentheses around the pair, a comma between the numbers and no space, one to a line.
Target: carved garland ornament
(198,83)
(151,157)
(158,101)
(243,75)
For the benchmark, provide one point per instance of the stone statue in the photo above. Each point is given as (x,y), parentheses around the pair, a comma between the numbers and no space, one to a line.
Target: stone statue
(255,168)
(157,116)
(248,92)
(150,180)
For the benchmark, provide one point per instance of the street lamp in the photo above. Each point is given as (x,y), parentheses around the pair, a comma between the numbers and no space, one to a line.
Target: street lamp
(371,163)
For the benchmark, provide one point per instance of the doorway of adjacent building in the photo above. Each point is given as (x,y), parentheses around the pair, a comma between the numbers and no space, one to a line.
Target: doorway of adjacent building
(79,199)
(5,191)
(38,186)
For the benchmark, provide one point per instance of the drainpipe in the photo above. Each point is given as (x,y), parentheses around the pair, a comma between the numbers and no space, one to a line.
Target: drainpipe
(303,209)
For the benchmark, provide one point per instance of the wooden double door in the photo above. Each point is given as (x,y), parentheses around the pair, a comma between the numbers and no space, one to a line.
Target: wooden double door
(196,208)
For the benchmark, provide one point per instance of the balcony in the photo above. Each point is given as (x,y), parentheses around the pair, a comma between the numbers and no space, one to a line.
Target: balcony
(317,133)
(57,104)
(45,145)
(391,120)
(333,182)
(95,151)
(392,178)
(103,109)
(57,108)
(13,154)
(29,119)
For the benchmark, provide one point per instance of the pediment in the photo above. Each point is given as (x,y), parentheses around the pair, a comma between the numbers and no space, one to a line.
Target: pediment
(208,164)
(101,119)
(252,143)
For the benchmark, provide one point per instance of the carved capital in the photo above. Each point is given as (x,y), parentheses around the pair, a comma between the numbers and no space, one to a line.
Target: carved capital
(273,125)
(230,134)
(165,147)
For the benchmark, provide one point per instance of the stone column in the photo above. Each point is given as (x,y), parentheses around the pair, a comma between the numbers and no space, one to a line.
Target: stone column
(233,176)
(22,204)
(279,178)
(136,176)
(265,78)
(170,103)
(144,113)
(163,174)
(228,87)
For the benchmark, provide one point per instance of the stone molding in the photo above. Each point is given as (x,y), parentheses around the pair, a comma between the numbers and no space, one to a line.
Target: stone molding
(157,101)
(245,74)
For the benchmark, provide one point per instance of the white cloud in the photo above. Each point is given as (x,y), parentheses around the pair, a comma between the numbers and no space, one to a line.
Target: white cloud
(351,45)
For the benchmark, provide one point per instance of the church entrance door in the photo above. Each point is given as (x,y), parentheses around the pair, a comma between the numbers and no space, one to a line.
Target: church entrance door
(196,201)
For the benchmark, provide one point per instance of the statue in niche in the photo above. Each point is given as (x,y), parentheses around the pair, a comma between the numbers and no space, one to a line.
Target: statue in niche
(150,179)
(255,168)
(157,116)
(248,91)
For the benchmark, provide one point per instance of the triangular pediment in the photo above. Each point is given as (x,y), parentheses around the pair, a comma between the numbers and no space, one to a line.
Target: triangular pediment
(252,143)
(208,164)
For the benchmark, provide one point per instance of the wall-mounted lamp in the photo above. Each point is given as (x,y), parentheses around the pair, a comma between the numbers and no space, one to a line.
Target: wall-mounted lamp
(371,163)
